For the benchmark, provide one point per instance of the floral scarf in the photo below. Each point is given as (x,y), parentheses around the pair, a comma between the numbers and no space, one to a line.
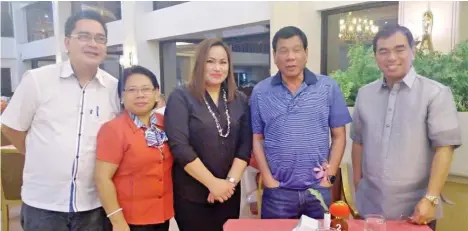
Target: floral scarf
(155,137)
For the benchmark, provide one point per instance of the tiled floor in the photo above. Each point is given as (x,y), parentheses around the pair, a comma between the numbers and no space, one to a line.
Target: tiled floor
(15,220)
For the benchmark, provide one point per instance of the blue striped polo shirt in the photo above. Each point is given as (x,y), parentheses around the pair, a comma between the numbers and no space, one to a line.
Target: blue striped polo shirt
(296,127)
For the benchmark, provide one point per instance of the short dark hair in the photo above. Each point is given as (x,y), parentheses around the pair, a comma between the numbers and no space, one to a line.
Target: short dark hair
(390,30)
(87,14)
(136,70)
(289,32)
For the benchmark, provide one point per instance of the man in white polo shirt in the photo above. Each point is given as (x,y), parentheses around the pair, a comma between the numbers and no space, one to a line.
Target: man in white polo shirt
(53,118)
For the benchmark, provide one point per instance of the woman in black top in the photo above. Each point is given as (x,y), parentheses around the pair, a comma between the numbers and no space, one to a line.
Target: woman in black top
(208,125)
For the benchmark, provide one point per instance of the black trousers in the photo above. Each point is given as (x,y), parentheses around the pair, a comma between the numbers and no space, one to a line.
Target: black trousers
(192,216)
(35,219)
(159,227)
(154,227)
(433,225)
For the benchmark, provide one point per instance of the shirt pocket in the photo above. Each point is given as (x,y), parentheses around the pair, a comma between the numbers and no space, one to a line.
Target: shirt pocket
(95,115)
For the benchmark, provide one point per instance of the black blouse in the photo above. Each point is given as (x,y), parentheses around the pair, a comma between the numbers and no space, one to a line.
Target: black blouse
(192,133)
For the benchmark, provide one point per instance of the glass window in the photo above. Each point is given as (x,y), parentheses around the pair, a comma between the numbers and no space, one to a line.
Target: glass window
(344,27)
(256,43)
(157,5)
(43,61)
(110,11)
(39,20)
(6,82)
(7,20)
(262,47)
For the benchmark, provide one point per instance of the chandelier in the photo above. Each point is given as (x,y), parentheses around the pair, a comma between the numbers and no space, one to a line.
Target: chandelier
(357,29)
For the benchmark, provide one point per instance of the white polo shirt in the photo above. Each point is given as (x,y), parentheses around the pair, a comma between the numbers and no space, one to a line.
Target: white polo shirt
(62,120)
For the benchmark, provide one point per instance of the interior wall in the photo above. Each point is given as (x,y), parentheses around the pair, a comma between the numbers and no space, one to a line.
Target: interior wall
(463,21)
(198,16)
(446,21)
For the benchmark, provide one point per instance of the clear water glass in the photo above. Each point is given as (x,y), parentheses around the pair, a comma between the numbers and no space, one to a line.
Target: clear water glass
(375,222)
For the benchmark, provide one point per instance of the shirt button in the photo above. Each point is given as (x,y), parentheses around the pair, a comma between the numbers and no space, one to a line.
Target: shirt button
(389,109)
(393,93)
(388,125)
(159,197)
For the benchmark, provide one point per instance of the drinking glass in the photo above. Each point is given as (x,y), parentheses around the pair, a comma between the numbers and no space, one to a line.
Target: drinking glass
(375,222)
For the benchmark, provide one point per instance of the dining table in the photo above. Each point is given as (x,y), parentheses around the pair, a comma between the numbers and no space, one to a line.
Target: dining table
(290,224)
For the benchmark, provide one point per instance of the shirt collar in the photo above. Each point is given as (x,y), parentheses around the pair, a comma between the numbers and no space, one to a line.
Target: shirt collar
(309,78)
(67,71)
(139,124)
(408,80)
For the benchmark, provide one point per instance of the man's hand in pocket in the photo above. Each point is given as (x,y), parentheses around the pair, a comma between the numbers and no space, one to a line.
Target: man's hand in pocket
(272,183)
(325,182)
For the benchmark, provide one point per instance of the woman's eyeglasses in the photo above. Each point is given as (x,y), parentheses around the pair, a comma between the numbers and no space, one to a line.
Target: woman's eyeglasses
(134,91)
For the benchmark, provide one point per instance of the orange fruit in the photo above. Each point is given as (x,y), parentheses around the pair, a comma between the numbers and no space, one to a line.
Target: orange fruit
(340,209)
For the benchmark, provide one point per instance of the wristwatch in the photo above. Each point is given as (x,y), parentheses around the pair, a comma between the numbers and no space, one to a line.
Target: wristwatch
(232,180)
(331,179)
(435,200)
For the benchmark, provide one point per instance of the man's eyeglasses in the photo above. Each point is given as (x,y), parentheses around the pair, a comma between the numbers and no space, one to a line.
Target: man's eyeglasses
(87,37)
(134,91)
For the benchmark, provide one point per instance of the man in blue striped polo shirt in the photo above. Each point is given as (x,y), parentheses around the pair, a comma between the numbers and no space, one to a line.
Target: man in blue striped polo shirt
(293,113)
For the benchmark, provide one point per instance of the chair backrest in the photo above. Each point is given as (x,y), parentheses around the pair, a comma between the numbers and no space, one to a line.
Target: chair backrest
(5,141)
(12,175)
(348,188)
(337,188)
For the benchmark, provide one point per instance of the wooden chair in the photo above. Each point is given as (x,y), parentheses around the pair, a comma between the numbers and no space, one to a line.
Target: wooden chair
(5,141)
(12,164)
(348,188)
(259,196)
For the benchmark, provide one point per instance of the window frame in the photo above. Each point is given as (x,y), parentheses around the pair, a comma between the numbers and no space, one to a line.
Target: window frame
(324,29)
